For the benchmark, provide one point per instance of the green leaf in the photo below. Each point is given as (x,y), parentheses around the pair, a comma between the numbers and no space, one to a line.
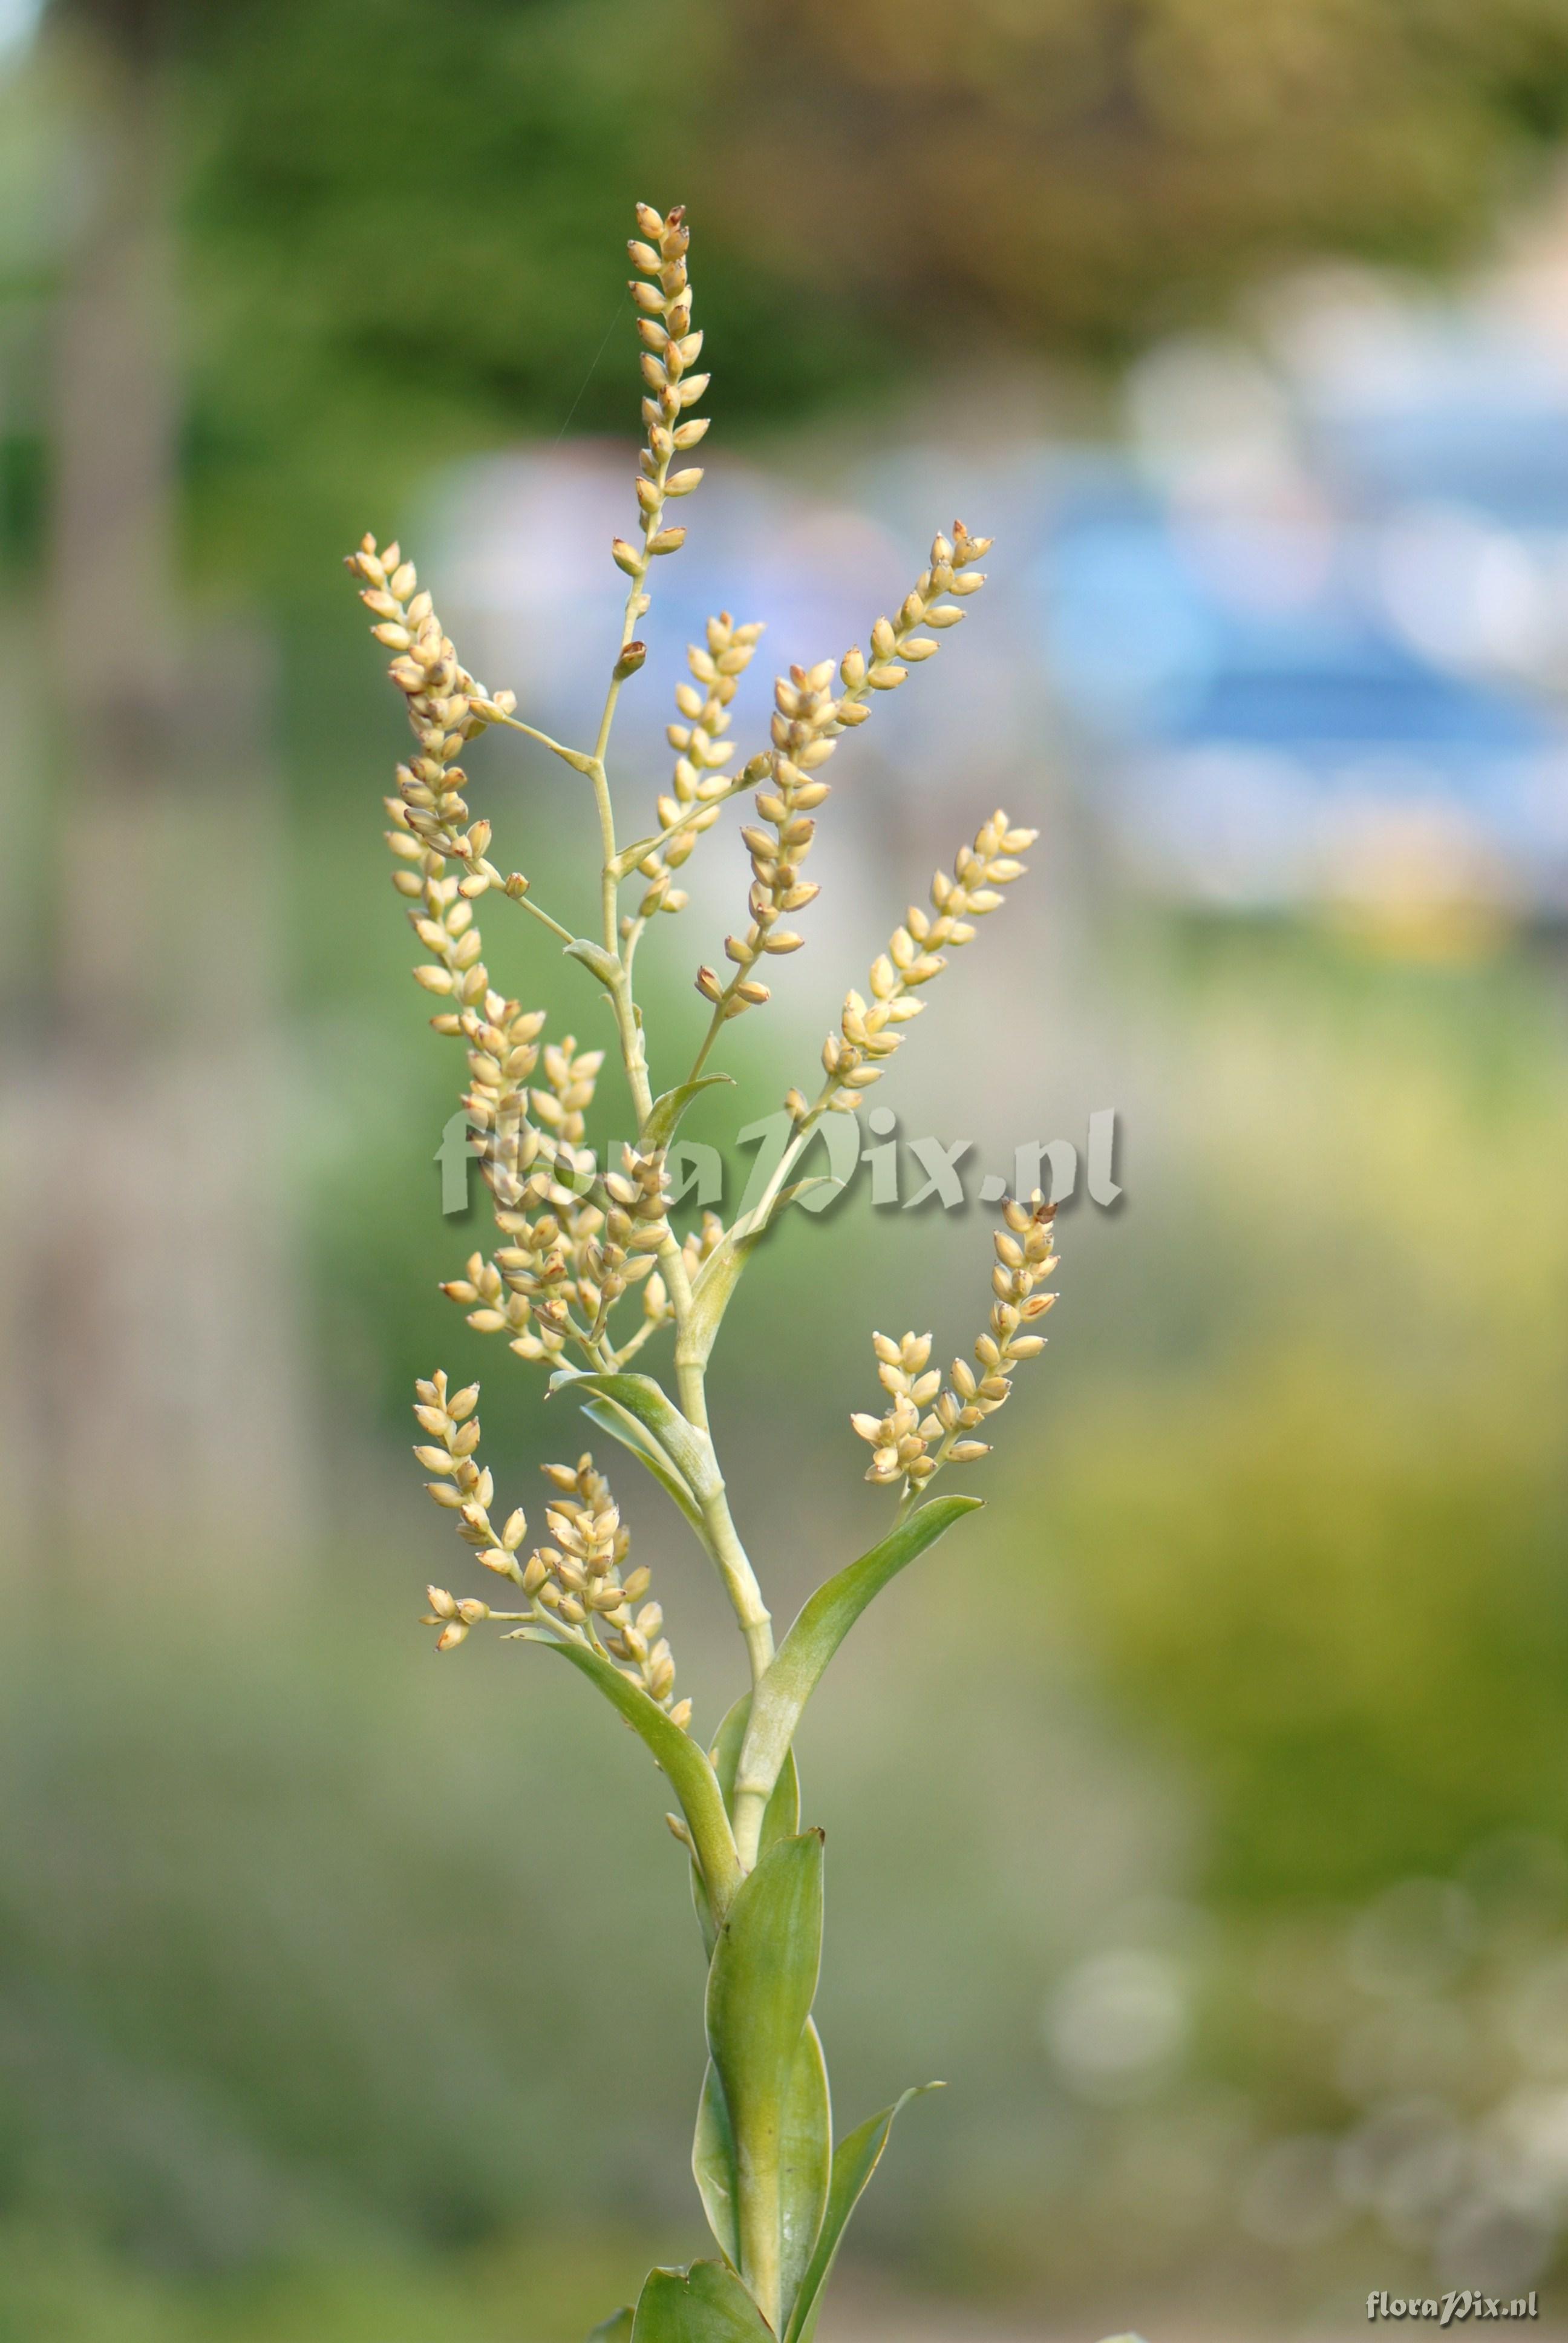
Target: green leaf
(611,1417)
(804,2164)
(806,2156)
(687,1449)
(616,2329)
(689,1774)
(799,1661)
(713,2165)
(781,1816)
(854,2161)
(703,1906)
(604,966)
(761,1984)
(704,2304)
(664,1115)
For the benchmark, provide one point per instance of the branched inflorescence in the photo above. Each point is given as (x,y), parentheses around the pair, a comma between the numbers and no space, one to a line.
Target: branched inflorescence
(577,1589)
(669,348)
(585,1267)
(699,785)
(809,718)
(576,1237)
(854,1056)
(925,1426)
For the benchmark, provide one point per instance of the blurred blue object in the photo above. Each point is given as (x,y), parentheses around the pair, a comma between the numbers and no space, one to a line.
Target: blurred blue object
(1311,626)
(1264,724)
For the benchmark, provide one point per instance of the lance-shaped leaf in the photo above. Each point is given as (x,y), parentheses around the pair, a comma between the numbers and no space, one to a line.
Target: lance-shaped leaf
(688,1450)
(664,1115)
(704,2304)
(713,2166)
(805,2164)
(616,2329)
(761,1984)
(800,1659)
(611,1417)
(781,1816)
(854,2161)
(690,1775)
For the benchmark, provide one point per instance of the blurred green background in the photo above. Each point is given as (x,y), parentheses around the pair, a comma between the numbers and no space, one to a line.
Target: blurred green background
(1201,1814)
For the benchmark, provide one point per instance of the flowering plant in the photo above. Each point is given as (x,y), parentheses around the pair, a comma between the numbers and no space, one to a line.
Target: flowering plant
(589,1268)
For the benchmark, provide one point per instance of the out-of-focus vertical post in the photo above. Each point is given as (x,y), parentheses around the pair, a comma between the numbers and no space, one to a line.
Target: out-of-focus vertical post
(156,1325)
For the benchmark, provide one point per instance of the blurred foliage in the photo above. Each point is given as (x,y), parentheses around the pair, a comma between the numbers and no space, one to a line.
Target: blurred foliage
(1078,175)
(403,236)
(319,1952)
(317,1959)
(1334,1580)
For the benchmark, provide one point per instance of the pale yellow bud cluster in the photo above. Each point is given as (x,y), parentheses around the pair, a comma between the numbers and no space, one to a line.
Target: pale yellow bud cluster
(461,1487)
(806,724)
(896,643)
(807,719)
(580,1581)
(572,1075)
(562,1272)
(669,348)
(925,1426)
(503,1052)
(518,1160)
(636,1226)
(700,784)
(530,1290)
(703,1242)
(446,708)
(869,1030)
(578,1586)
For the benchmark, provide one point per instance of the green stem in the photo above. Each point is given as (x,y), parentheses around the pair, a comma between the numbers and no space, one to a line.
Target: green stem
(750,1806)
(734,1564)
(722,1537)
(554,926)
(712,1035)
(572,757)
